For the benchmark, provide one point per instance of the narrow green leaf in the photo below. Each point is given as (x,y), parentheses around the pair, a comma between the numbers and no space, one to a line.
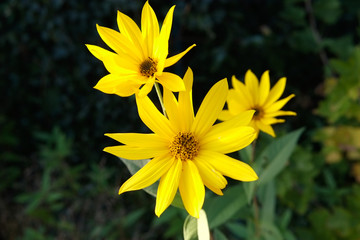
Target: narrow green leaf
(203,226)
(270,232)
(225,207)
(218,235)
(249,189)
(268,202)
(277,154)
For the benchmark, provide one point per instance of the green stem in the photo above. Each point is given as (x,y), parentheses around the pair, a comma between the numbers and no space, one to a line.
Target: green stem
(158,91)
(255,201)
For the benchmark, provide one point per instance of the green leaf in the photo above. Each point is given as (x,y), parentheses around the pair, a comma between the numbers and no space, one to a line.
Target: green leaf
(249,189)
(277,154)
(268,202)
(218,235)
(190,228)
(225,207)
(270,232)
(237,229)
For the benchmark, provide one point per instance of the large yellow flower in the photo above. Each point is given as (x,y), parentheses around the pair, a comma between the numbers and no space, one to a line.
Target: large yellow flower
(257,96)
(186,152)
(140,55)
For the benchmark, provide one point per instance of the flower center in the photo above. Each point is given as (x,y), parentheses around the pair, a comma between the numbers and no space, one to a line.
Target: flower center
(259,113)
(148,67)
(184,146)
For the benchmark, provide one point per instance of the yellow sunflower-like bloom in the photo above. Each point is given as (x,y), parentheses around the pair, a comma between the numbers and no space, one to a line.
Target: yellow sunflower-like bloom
(259,97)
(140,55)
(186,152)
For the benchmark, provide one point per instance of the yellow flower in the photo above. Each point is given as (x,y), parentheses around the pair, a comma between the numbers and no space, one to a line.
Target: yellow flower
(140,55)
(257,96)
(186,152)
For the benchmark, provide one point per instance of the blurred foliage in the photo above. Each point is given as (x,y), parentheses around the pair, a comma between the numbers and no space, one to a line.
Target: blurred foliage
(58,184)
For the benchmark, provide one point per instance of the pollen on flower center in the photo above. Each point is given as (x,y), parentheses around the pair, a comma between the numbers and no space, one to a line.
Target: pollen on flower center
(184,146)
(259,113)
(148,67)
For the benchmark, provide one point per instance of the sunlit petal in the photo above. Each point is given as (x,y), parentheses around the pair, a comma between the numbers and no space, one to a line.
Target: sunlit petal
(119,43)
(174,59)
(171,81)
(252,84)
(143,140)
(129,28)
(210,176)
(265,128)
(276,91)
(210,108)
(186,103)
(151,116)
(133,153)
(264,87)
(121,85)
(279,104)
(147,175)
(192,189)
(168,186)
(149,27)
(230,140)
(229,166)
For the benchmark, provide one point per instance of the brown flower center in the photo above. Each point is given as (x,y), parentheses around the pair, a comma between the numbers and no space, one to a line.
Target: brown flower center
(148,67)
(259,113)
(184,146)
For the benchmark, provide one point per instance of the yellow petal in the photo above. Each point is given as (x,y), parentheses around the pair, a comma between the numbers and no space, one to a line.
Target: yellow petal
(144,91)
(161,50)
(279,104)
(265,128)
(147,140)
(229,166)
(114,84)
(210,177)
(119,43)
(192,189)
(172,111)
(148,174)
(174,59)
(171,81)
(152,118)
(100,53)
(264,87)
(168,186)
(133,153)
(186,108)
(252,84)
(225,115)
(276,92)
(280,113)
(129,29)
(242,119)
(149,27)
(237,102)
(210,108)
(229,140)
(244,91)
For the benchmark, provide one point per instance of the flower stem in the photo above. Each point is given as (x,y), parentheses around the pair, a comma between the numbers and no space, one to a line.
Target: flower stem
(158,91)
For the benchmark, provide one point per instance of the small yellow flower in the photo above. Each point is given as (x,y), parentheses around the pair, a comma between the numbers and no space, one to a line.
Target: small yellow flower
(140,55)
(257,96)
(186,152)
